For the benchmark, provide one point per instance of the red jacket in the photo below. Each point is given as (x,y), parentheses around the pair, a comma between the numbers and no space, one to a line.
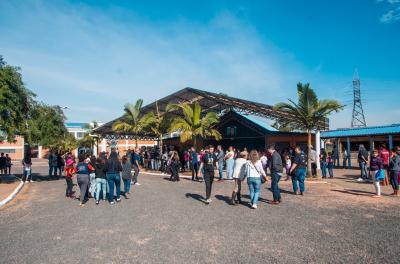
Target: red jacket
(384,154)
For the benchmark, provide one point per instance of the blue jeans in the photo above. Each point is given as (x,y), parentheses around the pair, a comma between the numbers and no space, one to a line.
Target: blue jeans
(127,185)
(330,170)
(221,169)
(299,176)
(364,170)
(114,179)
(230,163)
(276,193)
(254,188)
(101,186)
(323,169)
(51,169)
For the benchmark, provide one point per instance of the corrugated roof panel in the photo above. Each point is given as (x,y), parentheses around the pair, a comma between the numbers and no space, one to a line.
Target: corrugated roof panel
(364,131)
(259,122)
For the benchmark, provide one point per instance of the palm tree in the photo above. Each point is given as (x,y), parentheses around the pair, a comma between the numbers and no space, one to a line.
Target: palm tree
(131,121)
(192,125)
(309,112)
(88,141)
(158,123)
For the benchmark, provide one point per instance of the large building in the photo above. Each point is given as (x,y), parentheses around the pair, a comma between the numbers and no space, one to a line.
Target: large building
(242,123)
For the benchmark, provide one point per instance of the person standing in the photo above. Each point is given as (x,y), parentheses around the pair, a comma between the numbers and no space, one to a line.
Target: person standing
(375,166)
(126,175)
(276,169)
(50,159)
(394,170)
(313,160)
(195,164)
(8,164)
(330,164)
(323,157)
(60,164)
(220,160)
(82,169)
(288,166)
(346,159)
(385,156)
(69,173)
(209,163)
(135,161)
(101,179)
(362,161)
(299,170)
(175,165)
(113,167)
(254,173)
(2,164)
(238,176)
(92,176)
(230,163)
(27,163)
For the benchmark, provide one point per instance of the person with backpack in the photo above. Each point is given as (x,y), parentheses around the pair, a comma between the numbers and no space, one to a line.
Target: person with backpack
(394,170)
(299,170)
(113,168)
(82,170)
(101,179)
(209,160)
(238,175)
(254,173)
(135,162)
(175,165)
(69,173)
(126,175)
(376,166)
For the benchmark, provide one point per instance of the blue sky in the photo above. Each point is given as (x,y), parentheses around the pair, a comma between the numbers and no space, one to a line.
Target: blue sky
(94,56)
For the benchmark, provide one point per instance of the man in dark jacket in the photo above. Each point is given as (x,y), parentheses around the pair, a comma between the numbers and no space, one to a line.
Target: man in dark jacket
(276,169)
(209,161)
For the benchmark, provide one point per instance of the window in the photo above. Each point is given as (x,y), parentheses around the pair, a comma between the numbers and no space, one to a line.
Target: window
(80,134)
(7,150)
(231,131)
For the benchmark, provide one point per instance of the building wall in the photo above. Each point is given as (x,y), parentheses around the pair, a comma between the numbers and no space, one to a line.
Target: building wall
(15,150)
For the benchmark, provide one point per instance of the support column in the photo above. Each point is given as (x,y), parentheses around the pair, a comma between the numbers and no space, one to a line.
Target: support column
(371,146)
(40,152)
(348,151)
(103,145)
(318,147)
(390,142)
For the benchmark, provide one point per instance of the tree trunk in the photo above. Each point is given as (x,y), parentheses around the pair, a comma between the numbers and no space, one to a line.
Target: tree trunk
(161,146)
(195,143)
(309,174)
(136,145)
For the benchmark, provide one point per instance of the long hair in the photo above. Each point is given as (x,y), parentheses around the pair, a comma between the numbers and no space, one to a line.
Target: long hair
(253,156)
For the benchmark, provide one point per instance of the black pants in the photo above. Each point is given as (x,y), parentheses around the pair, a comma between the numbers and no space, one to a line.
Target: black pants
(68,192)
(83,182)
(208,179)
(195,170)
(314,168)
(394,179)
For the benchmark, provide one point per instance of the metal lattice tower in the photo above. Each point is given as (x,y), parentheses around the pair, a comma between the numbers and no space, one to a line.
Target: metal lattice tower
(358,118)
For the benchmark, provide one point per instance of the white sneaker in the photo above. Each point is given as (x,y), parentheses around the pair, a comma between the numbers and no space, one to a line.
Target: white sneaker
(26,182)
(360,179)
(137,184)
(254,206)
(32,181)
(208,201)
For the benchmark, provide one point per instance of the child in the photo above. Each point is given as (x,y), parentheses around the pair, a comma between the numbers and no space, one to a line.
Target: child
(375,166)
(69,171)
(288,165)
(330,161)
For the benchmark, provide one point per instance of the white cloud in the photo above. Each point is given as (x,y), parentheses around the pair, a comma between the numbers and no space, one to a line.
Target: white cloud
(393,12)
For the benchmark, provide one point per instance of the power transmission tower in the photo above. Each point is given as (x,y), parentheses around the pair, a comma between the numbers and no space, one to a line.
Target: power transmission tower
(358,118)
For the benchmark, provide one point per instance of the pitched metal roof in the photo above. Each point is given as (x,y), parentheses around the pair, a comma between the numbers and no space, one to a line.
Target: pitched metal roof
(363,131)
(209,101)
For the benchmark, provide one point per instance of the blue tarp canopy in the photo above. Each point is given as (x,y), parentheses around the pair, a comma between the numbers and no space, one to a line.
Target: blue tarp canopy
(362,131)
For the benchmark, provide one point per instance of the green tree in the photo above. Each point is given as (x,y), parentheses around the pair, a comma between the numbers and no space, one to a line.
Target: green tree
(309,112)
(45,126)
(192,125)
(15,102)
(131,121)
(68,143)
(157,123)
(89,140)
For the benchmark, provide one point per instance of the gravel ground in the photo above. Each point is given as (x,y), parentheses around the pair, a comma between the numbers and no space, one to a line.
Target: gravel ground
(167,222)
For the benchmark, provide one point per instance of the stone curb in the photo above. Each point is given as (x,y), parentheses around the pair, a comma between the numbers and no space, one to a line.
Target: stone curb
(12,195)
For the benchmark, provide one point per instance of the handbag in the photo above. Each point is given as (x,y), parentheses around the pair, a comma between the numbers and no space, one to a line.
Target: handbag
(263,180)
(380,175)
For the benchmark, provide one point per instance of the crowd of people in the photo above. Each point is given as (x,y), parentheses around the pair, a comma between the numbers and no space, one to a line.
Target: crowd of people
(101,177)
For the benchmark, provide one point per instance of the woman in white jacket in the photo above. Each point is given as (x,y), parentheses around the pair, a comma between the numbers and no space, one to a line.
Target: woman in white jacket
(254,173)
(238,175)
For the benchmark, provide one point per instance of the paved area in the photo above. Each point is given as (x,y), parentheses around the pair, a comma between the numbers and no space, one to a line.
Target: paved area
(165,222)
